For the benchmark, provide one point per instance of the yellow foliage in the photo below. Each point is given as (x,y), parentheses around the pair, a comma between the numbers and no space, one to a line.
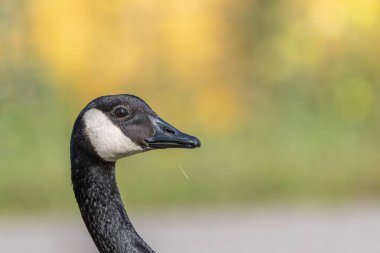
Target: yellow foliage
(99,47)
(219,107)
(334,18)
(172,49)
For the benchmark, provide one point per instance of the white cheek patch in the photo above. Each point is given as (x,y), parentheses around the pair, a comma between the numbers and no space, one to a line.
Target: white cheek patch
(107,139)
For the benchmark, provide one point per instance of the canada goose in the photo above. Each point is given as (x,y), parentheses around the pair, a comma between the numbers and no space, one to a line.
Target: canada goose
(107,129)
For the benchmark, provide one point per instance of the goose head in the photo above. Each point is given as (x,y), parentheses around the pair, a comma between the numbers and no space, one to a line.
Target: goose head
(117,126)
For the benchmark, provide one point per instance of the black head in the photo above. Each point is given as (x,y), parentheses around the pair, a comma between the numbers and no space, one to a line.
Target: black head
(122,125)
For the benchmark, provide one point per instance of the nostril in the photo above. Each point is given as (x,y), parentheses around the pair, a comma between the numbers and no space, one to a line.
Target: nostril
(169,131)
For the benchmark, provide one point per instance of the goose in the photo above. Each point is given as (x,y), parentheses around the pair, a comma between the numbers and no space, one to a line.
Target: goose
(107,129)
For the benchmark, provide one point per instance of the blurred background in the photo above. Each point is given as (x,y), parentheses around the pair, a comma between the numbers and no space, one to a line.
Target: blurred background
(284,95)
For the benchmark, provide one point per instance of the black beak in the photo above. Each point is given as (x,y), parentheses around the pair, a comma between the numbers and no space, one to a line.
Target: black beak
(167,136)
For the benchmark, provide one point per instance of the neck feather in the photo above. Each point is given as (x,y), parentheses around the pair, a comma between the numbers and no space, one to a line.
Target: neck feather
(101,206)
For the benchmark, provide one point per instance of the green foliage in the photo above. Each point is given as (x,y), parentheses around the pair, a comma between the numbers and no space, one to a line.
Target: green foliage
(289,155)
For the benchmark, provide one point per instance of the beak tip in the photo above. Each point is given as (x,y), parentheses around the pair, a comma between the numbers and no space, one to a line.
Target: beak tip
(196,143)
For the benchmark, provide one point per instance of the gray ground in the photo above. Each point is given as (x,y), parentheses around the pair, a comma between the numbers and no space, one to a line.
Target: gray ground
(346,229)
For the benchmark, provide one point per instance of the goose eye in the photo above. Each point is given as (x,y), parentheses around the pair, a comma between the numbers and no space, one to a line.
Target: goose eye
(120,112)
